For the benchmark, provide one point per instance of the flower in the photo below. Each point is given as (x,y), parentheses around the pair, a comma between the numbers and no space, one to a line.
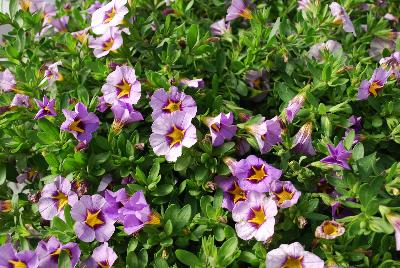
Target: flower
(54,197)
(9,257)
(46,108)
(338,156)
(81,35)
(267,133)
(20,100)
(194,83)
(122,85)
(7,81)
(254,217)
(254,174)
(354,124)
(103,256)
(257,79)
(339,211)
(329,230)
(220,27)
(51,73)
(331,46)
(5,206)
(111,40)
(303,4)
(95,6)
(102,106)
(292,255)
(371,87)
(392,64)
(341,17)
(221,128)
(124,114)
(294,106)
(302,140)
(115,202)
(49,252)
(172,102)
(61,24)
(171,133)
(394,220)
(109,15)
(48,9)
(80,122)
(378,45)
(90,220)
(238,8)
(232,192)
(284,193)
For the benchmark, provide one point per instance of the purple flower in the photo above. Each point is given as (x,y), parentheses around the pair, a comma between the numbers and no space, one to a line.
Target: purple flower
(124,114)
(122,85)
(232,192)
(171,133)
(109,15)
(238,8)
(20,100)
(172,102)
(242,147)
(330,46)
(294,106)
(115,202)
(254,217)
(339,211)
(355,123)
(341,17)
(7,81)
(266,133)
(103,256)
(49,252)
(54,197)
(254,174)
(303,4)
(90,220)
(95,6)
(293,255)
(48,9)
(104,183)
(102,106)
(61,24)
(371,87)
(338,156)
(51,73)
(329,230)
(324,187)
(46,108)
(378,45)
(220,27)
(302,140)
(284,193)
(111,40)
(194,83)
(81,35)
(392,64)
(257,79)
(221,128)
(80,123)
(394,220)
(10,258)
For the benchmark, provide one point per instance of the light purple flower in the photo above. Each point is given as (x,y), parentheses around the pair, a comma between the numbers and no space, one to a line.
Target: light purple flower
(171,133)
(293,255)
(111,40)
(172,102)
(90,220)
(220,27)
(294,107)
(394,220)
(49,252)
(303,4)
(28,175)
(238,8)
(46,108)
(254,174)
(378,45)
(122,85)
(302,140)
(329,230)
(51,73)
(341,17)
(124,114)
(255,217)
(257,79)
(330,46)
(109,15)
(266,133)
(115,203)
(95,6)
(371,87)
(54,197)
(102,106)
(103,257)
(194,83)
(221,128)
(7,81)
(232,192)
(392,64)
(104,183)
(80,122)
(9,257)
(20,100)
(338,156)
(284,193)
(81,35)
(61,24)
(47,8)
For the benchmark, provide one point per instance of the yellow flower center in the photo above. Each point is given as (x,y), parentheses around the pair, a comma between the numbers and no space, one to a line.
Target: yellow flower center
(284,196)
(25,4)
(259,216)
(92,219)
(17,264)
(258,173)
(176,136)
(81,37)
(125,89)
(47,109)
(154,219)
(215,127)
(107,45)
(110,15)
(103,264)
(257,83)
(62,200)
(56,252)
(237,192)
(75,126)
(330,229)
(172,106)
(293,262)
(246,13)
(338,21)
(373,88)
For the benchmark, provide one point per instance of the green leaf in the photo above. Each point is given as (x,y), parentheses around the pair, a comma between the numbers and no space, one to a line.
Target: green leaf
(13,8)
(349,140)
(358,151)
(184,216)
(227,249)
(365,194)
(51,131)
(366,165)
(183,162)
(192,36)
(187,258)
(63,260)
(275,28)
(3,173)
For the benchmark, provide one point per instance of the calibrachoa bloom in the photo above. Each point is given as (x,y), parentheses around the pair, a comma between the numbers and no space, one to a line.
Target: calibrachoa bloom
(124,114)
(293,255)
(303,4)
(294,107)
(28,175)
(172,102)
(122,85)
(330,46)
(115,202)
(46,108)
(372,87)
(90,220)
(171,133)
(102,106)
(49,252)
(232,192)
(7,81)
(341,17)
(103,257)
(20,100)
(284,193)
(220,27)
(80,122)
(392,64)
(61,24)
(95,6)
(81,35)
(302,140)
(238,8)
(254,174)
(51,73)
(194,83)
(54,197)
(378,45)
(221,128)
(257,79)
(109,15)
(10,258)
(267,133)
(394,220)
(255,217)
(338,156)
(111,40)
(329,230)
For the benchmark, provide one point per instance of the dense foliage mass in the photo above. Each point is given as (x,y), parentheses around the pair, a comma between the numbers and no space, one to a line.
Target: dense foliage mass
(205,133)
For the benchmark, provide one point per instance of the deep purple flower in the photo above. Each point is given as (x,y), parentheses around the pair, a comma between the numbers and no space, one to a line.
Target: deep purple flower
(341,17)
(329,230)
(95,6)
(323,186)
(267,133)
(46,108)
(238,8)
(109,15)
(302,140)
(115,202)
(80,123)
(232,192)
(220,27)
(339,211)
(294,107)
(221,128)
(7,81)
(49,252)
(338,156)
(284,193)
(124,114)
(103,257)
(20,100)
(254,174)
(330,46)
(257,79)
(194,83)
(392,64)
(61,24)
(111,40)
(90,220)
(10,258)
(371,87)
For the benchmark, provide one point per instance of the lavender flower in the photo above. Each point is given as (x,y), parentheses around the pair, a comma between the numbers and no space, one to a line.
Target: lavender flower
(95,6)
(294,106)
(394,220)
(232,192)
(238,8)
(257,79)
(330,46)
(102,106)
(51,73)
(303,4)
(115,203)
(111,40)
(338,156)
(10,258)
(221,128)
(341,17)
(329,230)
(378,45)
(220,27)
(20,100)
(61,24)
(103,256)
(267,133)
(49,252)
(392,64)
(81,35)
(371,87)
(124,114)
(7,81)
(284,193)
(302,140)
(109,15)
(46,108)
(194,83)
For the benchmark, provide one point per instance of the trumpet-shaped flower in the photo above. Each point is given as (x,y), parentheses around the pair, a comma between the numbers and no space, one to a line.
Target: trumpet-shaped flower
(238,8)
(109,15)
(7,81)
(267,133)
(221,128)
(338,156)
(374,85)
(342,18)
(232,191)
(103,256)
(329,230)
(46,108)
(111,40)
(49,252)
(302,140)
(10,258)
(284,193)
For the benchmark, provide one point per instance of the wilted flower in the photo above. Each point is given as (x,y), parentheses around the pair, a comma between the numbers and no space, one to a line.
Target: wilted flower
(79,187)
(303,4)
(257,79)
(329,230)
(95,6)
(194,83)
(172,132)
(254,217)
(302,140)
(341,17)
(109,15)
(221,128)
(294,107)
(284,193)
(124,114)
(267,133)
(103,256)
(5,206)
(46,108)
(55,196)
(115,202)
(20,100)
(111,40)
(293,255)
(238,8)
(392,64)
(49,252)
(61,24)
(232,192)
(330,46)
(378,45)
(10,258)
(7,81)
(371,87)
(338,156)
(28,175)
(394,220)
(220,27)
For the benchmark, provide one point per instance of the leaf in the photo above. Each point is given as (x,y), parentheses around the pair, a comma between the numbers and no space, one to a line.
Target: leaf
(13,8)
(365,194)
(187,258)
(349,140)
(183,216)
(52,132)
(192,36)
(3,173)
(183,162)
(63,260)
(275,28)
(358,151)
(227,249)
(366,165)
